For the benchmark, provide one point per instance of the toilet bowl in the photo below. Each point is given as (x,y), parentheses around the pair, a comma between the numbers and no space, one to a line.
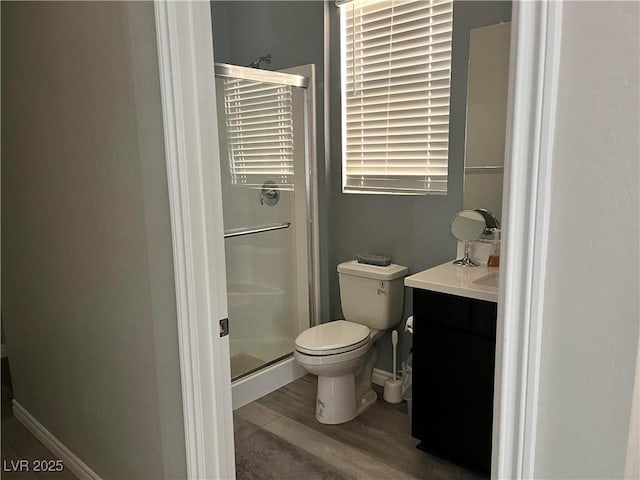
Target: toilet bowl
(341,353)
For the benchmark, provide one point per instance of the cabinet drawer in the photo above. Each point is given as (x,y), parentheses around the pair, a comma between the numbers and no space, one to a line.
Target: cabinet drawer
(474,317)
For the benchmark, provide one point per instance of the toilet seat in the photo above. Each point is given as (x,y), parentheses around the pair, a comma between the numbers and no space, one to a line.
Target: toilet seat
(332,338)
(337,358)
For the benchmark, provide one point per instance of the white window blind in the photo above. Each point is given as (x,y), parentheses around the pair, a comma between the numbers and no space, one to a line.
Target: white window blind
(396,71)
(259,129)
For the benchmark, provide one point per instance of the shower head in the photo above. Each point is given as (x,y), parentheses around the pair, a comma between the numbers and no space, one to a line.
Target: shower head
(256,63)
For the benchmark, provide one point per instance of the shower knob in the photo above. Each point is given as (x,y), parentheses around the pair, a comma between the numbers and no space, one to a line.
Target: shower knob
(269,194)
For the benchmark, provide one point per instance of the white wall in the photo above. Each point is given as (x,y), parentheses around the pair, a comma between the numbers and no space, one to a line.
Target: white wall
(88,299)
(591,310)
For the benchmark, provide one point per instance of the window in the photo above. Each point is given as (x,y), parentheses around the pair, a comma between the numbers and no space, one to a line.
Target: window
(259,130)
(396,71)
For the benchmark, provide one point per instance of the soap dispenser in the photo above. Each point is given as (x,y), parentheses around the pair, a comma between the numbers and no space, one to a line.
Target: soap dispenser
(494,254)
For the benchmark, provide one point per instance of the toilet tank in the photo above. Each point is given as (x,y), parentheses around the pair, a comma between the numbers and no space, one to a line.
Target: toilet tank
(371,295)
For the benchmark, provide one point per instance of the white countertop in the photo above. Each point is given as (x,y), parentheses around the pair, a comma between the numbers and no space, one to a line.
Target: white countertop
(455,280)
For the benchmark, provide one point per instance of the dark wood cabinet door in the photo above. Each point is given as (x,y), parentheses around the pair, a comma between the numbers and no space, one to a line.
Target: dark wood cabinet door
(453,369)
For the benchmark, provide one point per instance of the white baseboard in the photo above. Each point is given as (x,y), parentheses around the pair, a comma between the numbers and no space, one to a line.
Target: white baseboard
(261,383)
(71,461)
(379,376)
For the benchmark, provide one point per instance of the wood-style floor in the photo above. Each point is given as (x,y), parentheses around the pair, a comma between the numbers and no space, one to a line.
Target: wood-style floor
(278,437)
(19,444)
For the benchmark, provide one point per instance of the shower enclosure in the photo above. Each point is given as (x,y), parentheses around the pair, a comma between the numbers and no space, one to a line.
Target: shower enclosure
(267,146)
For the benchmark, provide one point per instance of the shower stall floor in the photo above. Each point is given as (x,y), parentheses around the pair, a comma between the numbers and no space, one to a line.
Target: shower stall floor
(250,354)
(242,363)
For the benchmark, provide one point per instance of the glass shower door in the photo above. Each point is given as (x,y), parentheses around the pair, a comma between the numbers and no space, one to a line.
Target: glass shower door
(262,142)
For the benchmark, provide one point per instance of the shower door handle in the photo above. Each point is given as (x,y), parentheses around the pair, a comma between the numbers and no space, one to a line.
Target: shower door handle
(224,327)
(238,232)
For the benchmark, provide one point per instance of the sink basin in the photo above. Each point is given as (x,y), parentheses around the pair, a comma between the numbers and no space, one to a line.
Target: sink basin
(490,280)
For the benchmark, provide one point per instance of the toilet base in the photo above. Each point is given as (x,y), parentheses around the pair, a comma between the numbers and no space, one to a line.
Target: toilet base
(342,398)
(336,401)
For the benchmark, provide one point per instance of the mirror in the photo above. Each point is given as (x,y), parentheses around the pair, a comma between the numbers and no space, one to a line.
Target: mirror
(487,86)
(467,226)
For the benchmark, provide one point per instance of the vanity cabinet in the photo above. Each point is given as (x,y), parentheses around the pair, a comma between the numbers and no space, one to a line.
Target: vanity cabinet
(453,377)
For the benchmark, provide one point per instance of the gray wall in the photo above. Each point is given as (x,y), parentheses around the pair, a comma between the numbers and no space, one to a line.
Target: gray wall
(291,31)
(413,230)
(87,278)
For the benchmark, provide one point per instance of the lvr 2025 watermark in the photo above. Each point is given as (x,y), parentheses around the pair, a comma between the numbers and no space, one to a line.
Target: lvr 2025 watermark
(32,465)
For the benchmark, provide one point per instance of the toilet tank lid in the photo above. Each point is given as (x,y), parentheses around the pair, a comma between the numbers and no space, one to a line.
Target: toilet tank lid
(389,272)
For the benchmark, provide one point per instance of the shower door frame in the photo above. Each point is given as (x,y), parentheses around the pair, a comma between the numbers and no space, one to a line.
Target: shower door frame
(284,370)
(303,77)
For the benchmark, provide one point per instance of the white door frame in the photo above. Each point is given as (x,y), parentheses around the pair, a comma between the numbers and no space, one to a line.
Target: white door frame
(185,51)
(534,68)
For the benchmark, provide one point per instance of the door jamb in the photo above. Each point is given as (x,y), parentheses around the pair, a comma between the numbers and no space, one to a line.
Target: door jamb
(185,52)
(533,80)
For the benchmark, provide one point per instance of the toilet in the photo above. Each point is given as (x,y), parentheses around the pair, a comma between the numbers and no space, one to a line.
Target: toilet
(340,353)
